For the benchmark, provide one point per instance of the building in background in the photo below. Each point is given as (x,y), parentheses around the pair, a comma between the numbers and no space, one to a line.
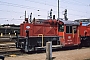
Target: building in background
(9,28)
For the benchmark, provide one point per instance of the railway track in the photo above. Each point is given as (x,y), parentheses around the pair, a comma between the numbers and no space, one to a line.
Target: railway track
(6,45)
(12,51)
(8,49)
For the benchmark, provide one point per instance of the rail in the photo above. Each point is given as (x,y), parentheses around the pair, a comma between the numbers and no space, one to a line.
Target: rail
(42,38)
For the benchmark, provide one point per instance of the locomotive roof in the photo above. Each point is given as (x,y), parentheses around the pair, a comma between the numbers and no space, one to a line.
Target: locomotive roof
(70,22)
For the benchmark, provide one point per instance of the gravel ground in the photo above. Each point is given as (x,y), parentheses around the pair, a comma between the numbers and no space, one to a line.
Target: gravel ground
(77,54)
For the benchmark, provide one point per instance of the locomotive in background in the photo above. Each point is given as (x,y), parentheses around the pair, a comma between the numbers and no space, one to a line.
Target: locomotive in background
(84,31)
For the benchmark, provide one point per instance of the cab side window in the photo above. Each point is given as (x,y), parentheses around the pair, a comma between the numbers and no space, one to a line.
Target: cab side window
(61,28)
(68,29)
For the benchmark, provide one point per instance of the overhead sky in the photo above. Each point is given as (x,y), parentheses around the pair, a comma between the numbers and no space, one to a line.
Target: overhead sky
(13,11)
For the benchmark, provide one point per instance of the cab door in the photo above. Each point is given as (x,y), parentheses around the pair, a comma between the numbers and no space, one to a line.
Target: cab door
(75,36)
(71,35)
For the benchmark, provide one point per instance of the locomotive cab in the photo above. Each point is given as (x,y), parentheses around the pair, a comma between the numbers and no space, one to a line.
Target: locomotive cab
(69,32)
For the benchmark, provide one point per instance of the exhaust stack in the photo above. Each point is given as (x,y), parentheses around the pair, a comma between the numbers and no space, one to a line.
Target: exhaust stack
(30,17)
(53,16)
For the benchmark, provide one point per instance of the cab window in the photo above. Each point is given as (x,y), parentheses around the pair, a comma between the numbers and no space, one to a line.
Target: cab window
(68,29)
(61,28)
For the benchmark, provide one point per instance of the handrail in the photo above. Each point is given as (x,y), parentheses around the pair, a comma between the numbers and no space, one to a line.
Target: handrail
(73,33)
(78,33)
(42,38)
(63,35)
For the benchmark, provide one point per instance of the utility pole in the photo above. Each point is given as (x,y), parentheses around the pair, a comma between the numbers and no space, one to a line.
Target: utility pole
(30,17)
(58,9)
(48,15)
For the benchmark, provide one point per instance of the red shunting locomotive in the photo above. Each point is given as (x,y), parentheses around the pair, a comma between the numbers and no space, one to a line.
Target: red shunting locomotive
(61,33)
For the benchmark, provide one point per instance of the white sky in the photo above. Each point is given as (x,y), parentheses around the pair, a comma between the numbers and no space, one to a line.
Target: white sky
(12,11)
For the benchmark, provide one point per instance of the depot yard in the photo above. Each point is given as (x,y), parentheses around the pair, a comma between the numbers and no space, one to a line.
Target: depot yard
(77,54)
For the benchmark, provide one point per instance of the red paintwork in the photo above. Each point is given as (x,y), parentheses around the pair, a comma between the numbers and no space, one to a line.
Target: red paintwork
(69,41)
(50,28)
(84,30)
(36,29)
